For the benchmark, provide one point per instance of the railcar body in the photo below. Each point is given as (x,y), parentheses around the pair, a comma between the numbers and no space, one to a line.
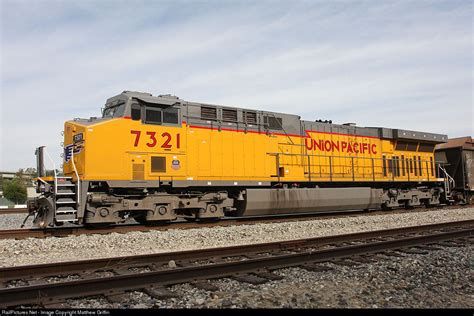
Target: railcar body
(157,158)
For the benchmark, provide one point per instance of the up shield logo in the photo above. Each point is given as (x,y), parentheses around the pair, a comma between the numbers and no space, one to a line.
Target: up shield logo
(175,164)
(68,151)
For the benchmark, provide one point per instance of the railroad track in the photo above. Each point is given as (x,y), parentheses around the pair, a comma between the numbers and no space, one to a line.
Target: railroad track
(13,211)
(228,221)
(125,228)
(38,285)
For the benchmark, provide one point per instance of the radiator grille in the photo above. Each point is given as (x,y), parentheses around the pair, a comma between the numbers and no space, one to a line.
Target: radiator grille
(250,117)
(229,115)
(208,113)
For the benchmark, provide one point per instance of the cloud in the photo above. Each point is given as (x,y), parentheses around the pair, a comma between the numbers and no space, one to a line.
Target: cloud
(397,64)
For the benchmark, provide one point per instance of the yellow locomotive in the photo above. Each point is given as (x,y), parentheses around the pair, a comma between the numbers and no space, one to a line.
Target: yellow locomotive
(159,158)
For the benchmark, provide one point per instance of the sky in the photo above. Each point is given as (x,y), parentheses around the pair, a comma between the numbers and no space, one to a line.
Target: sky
(395,64)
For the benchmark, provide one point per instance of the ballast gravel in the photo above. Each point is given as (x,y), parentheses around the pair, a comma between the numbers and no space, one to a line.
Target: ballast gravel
(54,249)
(14,221)
(438,279)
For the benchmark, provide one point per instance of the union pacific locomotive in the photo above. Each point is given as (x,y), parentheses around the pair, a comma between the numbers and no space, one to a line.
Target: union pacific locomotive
(160,158)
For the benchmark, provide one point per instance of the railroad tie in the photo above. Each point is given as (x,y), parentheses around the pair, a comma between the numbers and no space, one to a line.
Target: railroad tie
(413,251)
(205,285)
(159,292)
(316,268)
(393,254)
(426,247)
(250,278)
(116,297)
(269,276)
(345,262)
(362,260)
(56,304)
(448,244)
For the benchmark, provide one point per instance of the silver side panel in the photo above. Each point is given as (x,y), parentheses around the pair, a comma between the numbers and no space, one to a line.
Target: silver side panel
(419,136)
(218,183)
(133,184)
(281,201)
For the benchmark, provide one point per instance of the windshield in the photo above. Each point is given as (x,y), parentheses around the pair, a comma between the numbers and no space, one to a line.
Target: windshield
(114,111)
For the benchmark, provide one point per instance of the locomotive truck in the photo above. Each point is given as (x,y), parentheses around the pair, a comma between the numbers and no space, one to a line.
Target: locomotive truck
(160,158)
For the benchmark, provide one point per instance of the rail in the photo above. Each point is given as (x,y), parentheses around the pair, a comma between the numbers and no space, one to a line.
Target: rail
(64,231)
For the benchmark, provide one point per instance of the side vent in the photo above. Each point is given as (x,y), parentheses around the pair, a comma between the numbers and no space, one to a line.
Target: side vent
(208,113)
(273,122)
(229,115)
(250,117)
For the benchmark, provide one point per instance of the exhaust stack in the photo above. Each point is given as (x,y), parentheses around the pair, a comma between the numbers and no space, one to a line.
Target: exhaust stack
(40,161)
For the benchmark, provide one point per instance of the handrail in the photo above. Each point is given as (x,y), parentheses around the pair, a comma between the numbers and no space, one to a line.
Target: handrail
(324,156)
(281,125)
(38,178)
(449,182)
(348,171)
(78,191)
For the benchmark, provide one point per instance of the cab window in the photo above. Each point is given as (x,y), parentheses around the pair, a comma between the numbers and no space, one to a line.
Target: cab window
(115,111)
(153,115)
(170,116)
(158,115)
(136,112)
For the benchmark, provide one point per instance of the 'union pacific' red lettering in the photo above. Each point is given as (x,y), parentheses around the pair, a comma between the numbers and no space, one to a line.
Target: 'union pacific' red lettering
(340,146)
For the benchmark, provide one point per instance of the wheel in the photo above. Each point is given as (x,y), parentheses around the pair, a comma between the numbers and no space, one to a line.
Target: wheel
(141,219)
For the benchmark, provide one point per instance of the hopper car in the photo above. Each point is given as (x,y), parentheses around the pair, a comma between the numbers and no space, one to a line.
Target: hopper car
(456,159)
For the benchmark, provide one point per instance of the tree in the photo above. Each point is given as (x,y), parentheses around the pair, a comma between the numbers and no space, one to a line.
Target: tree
(15,190)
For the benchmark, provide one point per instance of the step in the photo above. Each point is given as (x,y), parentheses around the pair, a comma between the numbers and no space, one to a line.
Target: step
(65,201)
(65,217)
(65,192)
(63,180)
(66,184)
(65,210)
(66,213)
(66,220)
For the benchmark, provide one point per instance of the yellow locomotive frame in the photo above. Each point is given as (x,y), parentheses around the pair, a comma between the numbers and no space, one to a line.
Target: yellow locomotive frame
(123,149)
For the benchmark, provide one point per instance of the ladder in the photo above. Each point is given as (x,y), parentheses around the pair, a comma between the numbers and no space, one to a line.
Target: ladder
(65,198)
(66,193)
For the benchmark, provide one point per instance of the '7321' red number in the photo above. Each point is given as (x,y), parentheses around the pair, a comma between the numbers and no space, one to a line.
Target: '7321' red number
(152,141)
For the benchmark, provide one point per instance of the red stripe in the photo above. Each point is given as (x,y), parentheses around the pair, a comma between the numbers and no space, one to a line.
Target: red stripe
(340,134)
(281,134)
